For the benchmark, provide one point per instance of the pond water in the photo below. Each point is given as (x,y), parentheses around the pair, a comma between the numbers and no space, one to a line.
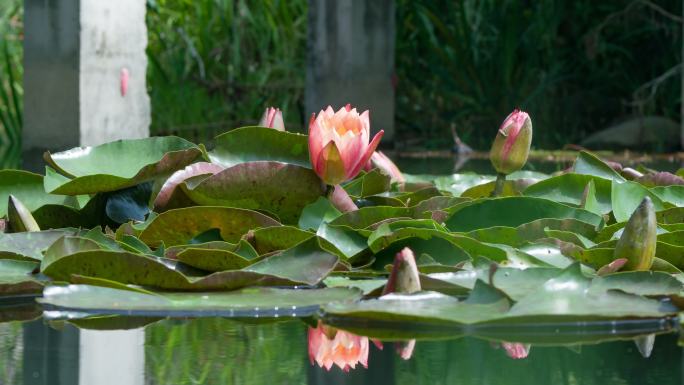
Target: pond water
(225,351)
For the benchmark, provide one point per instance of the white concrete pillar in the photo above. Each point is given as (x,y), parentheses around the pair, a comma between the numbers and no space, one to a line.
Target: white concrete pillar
(350,47)
(76,55)
(112,357)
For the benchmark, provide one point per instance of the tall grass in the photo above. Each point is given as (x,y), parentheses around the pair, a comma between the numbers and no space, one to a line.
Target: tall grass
(11,90)
(215,64)
(574,65)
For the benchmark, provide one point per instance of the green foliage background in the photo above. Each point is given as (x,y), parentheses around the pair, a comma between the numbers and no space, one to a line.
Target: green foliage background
(575,66)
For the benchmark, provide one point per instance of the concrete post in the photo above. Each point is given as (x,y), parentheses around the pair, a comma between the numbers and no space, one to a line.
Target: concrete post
(84,73)
(351,58)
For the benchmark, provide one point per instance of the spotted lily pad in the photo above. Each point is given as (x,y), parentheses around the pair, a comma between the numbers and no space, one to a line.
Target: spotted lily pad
(178,226)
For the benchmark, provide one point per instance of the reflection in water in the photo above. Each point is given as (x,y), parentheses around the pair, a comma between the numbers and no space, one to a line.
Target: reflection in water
(222,351)
(516,350)
(328,346)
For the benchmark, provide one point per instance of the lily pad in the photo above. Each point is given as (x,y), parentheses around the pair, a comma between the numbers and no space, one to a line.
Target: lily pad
(179,226)
(569,188)
(283,189)
(626,196)
(28,188)
(589,164)
(250,302)
(513,212)
(322,210)
(90,170)
(16,278)
(249,144)
(305,264)
(29,246)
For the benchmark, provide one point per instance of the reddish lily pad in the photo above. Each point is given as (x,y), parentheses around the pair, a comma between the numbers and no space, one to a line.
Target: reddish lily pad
(179,226)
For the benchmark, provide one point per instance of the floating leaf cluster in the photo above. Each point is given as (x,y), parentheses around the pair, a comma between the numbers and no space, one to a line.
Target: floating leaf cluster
(161,226)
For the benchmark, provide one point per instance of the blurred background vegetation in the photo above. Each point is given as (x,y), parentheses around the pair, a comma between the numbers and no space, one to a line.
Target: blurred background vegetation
(577,66)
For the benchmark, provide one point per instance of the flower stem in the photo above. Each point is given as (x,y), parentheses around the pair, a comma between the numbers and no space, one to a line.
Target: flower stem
(498,188)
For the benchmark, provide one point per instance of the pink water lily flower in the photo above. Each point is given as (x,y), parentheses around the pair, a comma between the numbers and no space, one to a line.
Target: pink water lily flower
(339,143)
(329,346)
(273,118)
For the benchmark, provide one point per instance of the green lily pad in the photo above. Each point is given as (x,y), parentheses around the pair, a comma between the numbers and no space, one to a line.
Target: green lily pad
(29,246)
(179,226)
(532,231)
(513,212)
(250,302)
(213,259)
(305,264)
(511,188)
(370,183)
(569,188)
(322,210)
(283,189)
(626,196)
(28,188)
(249,144)
(670,194)
(90,170)
(567,297)
(589,164)
(67,245)
(269,239)
(348,243)
(648,283)
(367,216)
(16,278)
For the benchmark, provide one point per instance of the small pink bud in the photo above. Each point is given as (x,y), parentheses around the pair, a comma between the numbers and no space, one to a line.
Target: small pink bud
(512,143)
(123,81)
(272,118)
(404,277)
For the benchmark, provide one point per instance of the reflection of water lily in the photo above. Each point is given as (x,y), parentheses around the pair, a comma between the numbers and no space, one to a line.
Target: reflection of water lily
(516,350)
(273,118)
(328,346)
(338,143)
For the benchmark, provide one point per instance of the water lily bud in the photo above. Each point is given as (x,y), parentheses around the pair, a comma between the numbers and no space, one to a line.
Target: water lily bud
(638,241)
(272,118)
(404,277)
(339,143)
(512,143)
(19,218)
